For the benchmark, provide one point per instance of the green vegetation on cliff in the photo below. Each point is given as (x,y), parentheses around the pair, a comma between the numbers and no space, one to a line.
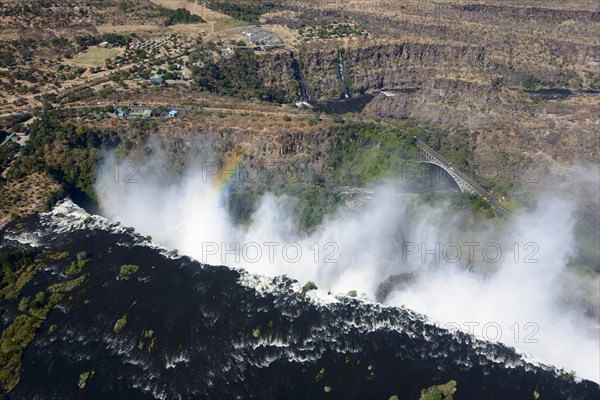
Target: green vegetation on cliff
(241,76)
(461,202)
(359,153)
(366,152)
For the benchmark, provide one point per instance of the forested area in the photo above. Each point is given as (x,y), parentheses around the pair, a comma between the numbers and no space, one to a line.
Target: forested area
(67,152)
(237,76)
(180,16)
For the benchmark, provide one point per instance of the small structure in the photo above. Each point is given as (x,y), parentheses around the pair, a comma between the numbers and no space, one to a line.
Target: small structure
(173,113)
(119,112)
(139,111)
(157,80)
(258,35)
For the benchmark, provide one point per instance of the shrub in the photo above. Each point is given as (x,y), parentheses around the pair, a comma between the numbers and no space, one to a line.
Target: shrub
(128,270)
(120,324)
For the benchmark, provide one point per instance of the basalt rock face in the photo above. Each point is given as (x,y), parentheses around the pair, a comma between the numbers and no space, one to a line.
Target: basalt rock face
(526,13)
(270,153)
(193,330)
(466,89)
(278,71)
(328,72)
(374,67)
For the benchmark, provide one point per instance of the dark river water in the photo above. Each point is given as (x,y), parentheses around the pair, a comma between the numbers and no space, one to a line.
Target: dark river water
(222,333)
(342,106)
(357,103)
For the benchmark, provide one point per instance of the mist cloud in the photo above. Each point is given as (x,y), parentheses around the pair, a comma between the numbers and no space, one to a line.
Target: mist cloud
(517,298)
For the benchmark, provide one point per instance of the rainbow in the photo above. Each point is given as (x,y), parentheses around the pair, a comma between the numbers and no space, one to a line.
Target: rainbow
(227,174)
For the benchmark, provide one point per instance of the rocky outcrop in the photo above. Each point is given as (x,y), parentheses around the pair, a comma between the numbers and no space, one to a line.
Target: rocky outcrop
(278,71)
(389,66)
(524,13)
(314,72)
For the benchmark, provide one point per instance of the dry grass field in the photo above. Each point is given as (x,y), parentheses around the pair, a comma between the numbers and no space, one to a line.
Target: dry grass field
(25,196)
(95,56)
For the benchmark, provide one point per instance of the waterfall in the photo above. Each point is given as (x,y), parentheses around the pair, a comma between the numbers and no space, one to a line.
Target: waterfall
(304,88)
(341,72)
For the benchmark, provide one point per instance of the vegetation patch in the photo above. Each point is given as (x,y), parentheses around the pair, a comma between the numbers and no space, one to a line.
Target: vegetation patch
(531,82)
(67,152)
(241,76)
(77,266)
(148,339)
(52,328)
(8,152)
(180,16)
(330,31)
(66,286)
(320,375)
(363,153)
(120,324)
(17,336)
(461,202)
(84,377)
(307,288)
(58,255)
(127,270)
(439,392)
(247,11)
(18,268)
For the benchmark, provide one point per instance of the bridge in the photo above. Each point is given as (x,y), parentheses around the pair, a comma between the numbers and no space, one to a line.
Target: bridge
(464,182)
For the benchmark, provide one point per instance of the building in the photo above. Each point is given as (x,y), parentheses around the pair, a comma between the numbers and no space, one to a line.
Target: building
(260,36)
(143,114)
(157,80)
(140,111)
